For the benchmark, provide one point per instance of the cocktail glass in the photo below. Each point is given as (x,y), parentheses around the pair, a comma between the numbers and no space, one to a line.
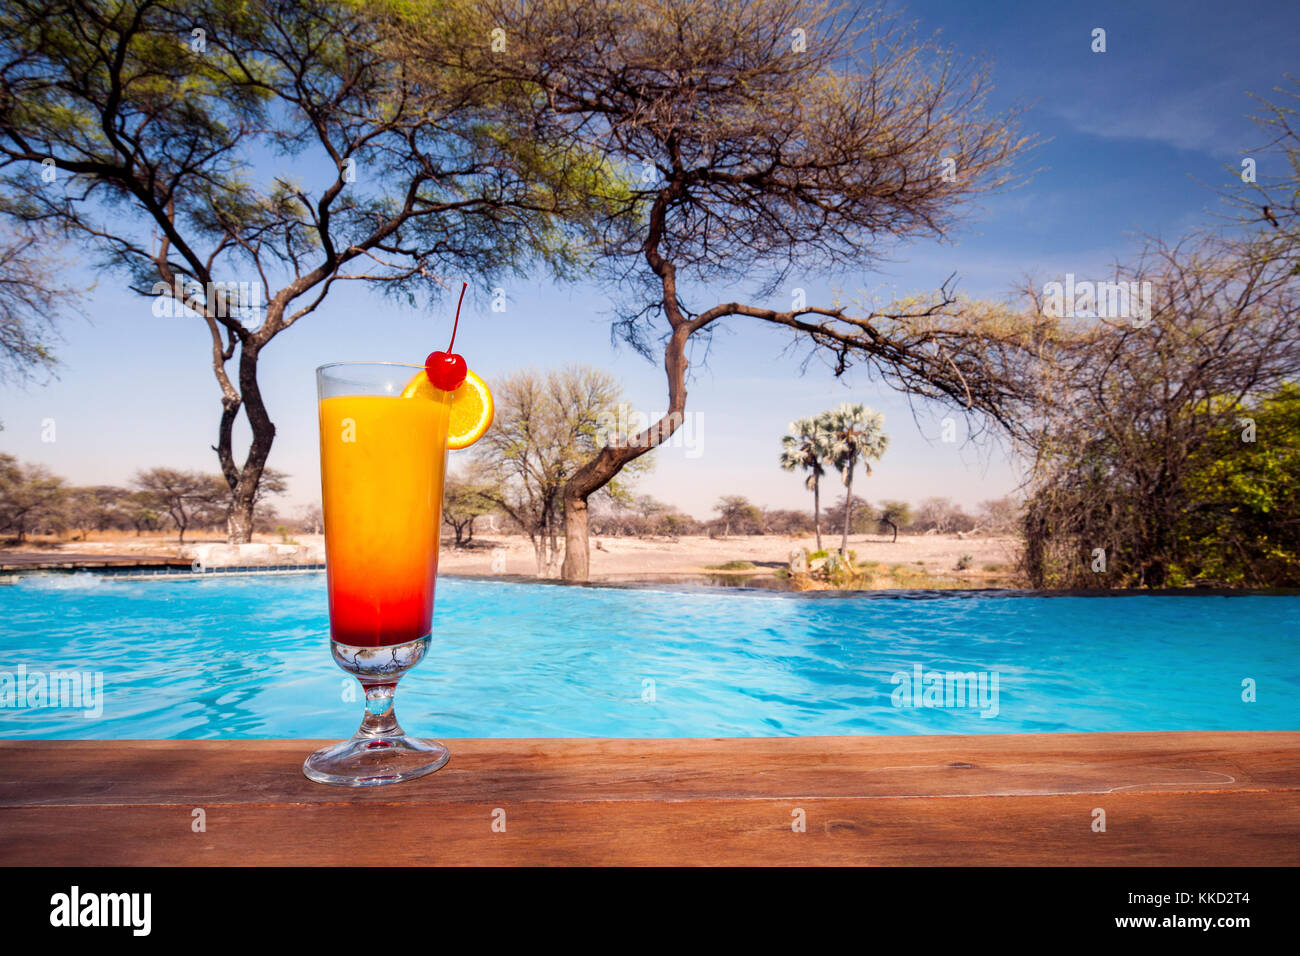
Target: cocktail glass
(383,458)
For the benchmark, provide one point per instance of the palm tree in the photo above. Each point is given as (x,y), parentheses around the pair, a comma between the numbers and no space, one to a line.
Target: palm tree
(855,434)
(807,448)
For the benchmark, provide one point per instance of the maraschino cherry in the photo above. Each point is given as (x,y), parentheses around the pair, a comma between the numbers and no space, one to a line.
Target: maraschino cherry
(446,369)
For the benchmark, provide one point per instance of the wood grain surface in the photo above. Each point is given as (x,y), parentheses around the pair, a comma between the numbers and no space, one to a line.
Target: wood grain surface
(1169,799)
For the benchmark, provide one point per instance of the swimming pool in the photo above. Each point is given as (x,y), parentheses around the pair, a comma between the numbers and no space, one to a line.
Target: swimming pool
(248,657)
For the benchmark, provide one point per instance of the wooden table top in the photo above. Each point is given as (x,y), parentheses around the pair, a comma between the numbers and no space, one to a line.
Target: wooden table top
(1211,798)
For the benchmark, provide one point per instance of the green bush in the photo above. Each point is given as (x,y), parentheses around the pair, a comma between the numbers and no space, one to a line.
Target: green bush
(823,553)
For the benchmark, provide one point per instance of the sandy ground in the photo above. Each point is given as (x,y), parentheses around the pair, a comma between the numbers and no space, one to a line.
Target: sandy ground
(629,559)
(993,558)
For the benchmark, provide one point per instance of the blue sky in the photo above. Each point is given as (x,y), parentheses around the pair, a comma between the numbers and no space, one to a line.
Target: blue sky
(1131,138)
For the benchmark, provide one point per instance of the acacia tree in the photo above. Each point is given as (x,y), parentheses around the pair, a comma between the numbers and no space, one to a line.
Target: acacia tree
(243,158)
(32,294)
(738,510)
(547,425)
(29,494)
(939,515)
(1000,515)
(183,495)
(312,517)
(93,508)
(895,513)
(857,511)
(465,500)
(760,137)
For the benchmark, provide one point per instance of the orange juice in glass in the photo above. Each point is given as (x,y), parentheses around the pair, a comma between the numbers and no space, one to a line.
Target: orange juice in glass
(383,448)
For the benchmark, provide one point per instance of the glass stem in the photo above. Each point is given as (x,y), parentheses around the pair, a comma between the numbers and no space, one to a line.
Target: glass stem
(379,720)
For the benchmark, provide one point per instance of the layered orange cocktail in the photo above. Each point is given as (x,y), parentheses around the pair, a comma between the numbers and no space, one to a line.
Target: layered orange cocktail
(383,458)
(385,429)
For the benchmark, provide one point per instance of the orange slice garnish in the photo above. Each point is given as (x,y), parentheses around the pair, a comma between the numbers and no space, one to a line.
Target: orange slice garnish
(471,407)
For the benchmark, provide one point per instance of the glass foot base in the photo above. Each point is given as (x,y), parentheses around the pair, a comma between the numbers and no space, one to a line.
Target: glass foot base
(375,761)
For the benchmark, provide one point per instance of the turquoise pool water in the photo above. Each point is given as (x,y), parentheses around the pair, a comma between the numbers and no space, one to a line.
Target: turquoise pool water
(248,657)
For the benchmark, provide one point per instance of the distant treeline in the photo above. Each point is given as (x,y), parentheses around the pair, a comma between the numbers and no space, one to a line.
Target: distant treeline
(34,500)
(645,516)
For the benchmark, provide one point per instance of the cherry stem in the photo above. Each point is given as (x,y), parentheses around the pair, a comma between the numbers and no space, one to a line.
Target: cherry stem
(463,287)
